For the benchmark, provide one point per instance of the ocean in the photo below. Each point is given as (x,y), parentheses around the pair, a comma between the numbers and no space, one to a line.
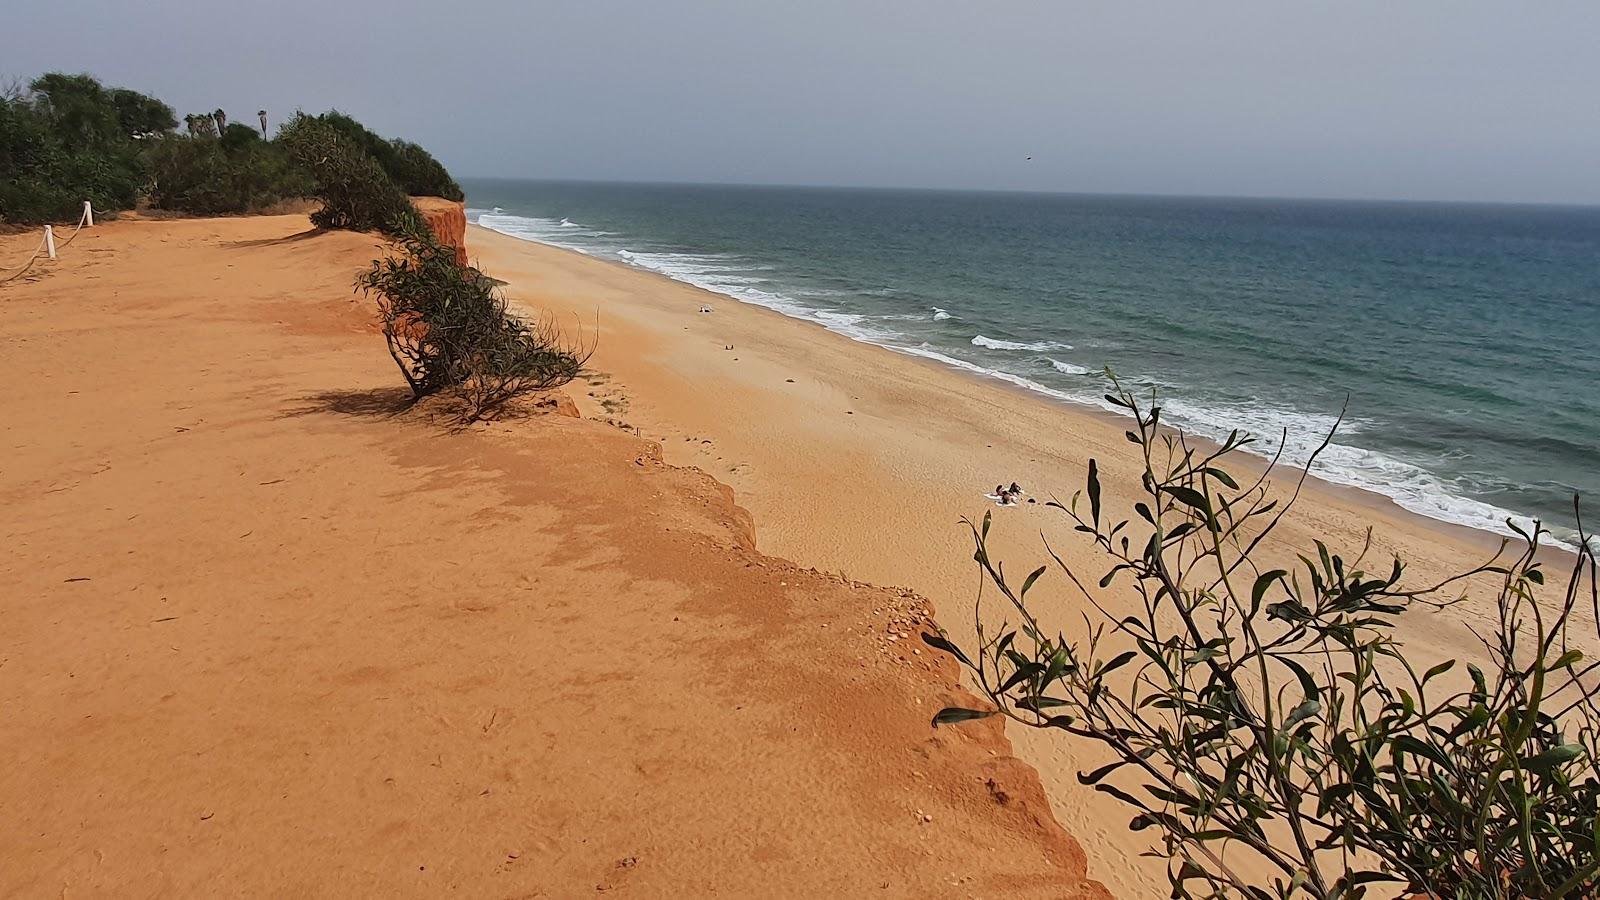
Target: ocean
(1466,338)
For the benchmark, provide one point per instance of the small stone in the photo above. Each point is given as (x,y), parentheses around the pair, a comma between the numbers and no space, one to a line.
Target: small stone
(926,817)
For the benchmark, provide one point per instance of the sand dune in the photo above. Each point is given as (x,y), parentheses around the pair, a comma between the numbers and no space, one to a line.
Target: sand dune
(265,635)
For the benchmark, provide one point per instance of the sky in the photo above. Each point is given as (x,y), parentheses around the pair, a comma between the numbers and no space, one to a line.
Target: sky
(1421,99)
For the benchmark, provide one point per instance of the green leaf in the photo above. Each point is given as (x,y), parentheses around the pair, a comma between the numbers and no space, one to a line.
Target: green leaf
(1022,674)
(939,643)
(1182,529)
(1408,744)
(1058,665)
(1223,477)
(1307,683)
(1302,712)
(1568,658)
(1190,497)
(1553,757)
(953,714)
(1039,704)
(1120,660)
(1262,584)
(1094,492)
(1028,583)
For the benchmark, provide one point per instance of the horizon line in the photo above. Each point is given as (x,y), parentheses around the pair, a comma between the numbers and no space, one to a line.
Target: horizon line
(656,182)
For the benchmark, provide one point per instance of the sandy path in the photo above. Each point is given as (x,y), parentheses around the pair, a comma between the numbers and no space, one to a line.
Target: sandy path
(265,638)
(854,458)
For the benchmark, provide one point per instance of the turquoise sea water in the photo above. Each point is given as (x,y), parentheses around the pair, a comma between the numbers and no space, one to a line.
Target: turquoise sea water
(1466,337)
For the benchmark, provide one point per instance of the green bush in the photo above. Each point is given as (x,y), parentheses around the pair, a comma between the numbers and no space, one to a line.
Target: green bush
(411,168)
(236,137)
(448,330)
(236,174)
(67,139)
(418,173)
(1262,719)
(356,193)
(139,116)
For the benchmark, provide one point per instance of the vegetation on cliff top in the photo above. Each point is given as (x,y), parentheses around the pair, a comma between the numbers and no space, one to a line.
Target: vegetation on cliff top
(67,138)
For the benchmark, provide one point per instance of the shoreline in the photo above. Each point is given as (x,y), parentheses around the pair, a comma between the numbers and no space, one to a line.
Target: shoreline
(1375,500)
(851,460)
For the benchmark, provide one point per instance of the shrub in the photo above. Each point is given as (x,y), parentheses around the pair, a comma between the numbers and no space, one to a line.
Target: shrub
(207,176)
(412,168)
(448,330)
(139,116)
(1263,719)
(418,173)
(237,137)
(354,190)
(67,139)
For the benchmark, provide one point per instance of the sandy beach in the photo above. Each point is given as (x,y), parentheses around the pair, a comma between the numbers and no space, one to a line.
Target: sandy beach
(855,459)
(268,635)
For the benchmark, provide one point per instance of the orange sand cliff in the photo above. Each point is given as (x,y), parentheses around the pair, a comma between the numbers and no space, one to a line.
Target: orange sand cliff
(269,633)
(447,220)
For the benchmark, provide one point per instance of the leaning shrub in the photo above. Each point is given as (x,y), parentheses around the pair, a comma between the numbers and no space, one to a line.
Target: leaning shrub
(1267,720)
(448,330)
(355,192)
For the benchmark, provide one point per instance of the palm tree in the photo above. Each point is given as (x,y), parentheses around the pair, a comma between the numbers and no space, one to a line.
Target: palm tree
(263,114)
(221,119)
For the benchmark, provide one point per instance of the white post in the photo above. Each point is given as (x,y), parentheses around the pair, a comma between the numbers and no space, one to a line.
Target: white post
(50,241)
(88,215)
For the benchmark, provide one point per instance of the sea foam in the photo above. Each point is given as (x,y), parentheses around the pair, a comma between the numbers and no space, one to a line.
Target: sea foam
(1066,368)
(1031,346)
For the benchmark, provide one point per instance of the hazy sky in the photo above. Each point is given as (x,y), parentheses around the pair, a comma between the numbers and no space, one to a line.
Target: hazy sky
(1430,99)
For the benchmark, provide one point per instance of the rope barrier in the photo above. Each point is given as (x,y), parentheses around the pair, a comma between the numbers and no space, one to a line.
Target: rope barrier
(30,260)
(82,218)
(23,271)
(85,217)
